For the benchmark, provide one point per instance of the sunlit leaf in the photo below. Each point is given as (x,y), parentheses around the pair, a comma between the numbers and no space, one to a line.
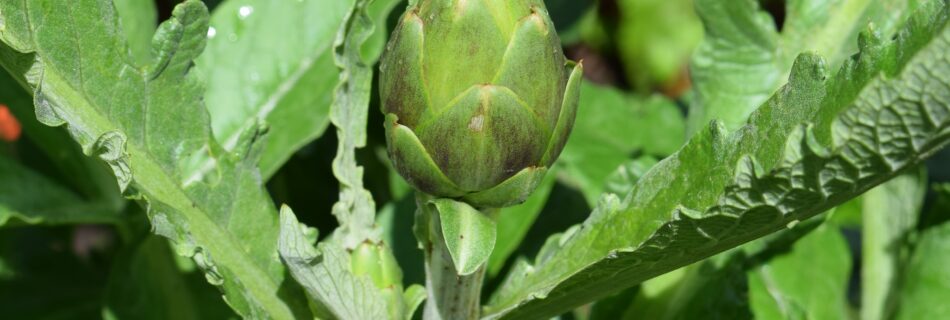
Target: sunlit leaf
(148,123)
(818,142)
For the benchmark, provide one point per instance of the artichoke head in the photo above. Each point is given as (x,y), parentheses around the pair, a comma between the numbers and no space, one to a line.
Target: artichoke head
(479,98)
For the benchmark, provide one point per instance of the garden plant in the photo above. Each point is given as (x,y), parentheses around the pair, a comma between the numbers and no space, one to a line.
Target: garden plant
(474,159)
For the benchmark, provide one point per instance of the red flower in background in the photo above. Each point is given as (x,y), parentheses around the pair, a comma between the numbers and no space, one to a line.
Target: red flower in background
(9,126)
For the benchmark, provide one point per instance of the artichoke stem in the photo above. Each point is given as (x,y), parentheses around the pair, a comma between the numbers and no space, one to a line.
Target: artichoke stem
(449,295)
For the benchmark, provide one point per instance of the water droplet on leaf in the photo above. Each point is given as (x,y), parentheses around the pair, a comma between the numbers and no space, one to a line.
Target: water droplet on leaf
(245,11)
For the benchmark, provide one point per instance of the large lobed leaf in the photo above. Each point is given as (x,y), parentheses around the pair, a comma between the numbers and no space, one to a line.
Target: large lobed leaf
(818,142)
(355,210)
(148,123)
(744,59)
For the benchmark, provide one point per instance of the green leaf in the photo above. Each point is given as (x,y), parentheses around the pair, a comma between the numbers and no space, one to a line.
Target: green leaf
(355,209)
(272,62)
(820,141)
(324,272)
(625,177)
(28,197)
(145,283)
(610,127)
(926,284)
(413,296)
(149,125)
(808,282)
(743,59)
(469,234)
(890,214)
(138,19)
(379,11)
(514,222)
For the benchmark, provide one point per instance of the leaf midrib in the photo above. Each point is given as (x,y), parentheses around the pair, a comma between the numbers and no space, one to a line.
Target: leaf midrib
(225,253)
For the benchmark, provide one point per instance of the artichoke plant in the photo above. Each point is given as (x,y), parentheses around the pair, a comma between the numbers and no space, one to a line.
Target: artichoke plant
(479,98)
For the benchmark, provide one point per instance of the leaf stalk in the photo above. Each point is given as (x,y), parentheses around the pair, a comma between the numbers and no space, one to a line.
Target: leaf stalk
(449,294)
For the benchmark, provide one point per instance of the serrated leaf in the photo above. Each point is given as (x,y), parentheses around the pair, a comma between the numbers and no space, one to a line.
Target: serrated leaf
(324,272)
(889,216)
(743,59)
(149,125)
(355,209)
(469,235)
(715,288)
(272,61)
(818,142)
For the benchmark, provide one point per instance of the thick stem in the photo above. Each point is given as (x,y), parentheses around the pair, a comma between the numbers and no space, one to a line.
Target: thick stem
(450,296)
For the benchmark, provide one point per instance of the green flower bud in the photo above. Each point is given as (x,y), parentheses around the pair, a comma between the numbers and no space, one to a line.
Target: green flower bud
(478,97)
(376,260)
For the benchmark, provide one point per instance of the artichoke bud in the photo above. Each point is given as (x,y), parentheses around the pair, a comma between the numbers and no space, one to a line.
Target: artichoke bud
(376,261)
(479,98)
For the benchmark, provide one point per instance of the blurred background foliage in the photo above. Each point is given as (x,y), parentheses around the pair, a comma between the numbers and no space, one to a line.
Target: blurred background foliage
(67,239)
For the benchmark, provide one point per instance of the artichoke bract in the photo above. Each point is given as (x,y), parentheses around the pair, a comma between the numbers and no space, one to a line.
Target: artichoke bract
(479,98)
